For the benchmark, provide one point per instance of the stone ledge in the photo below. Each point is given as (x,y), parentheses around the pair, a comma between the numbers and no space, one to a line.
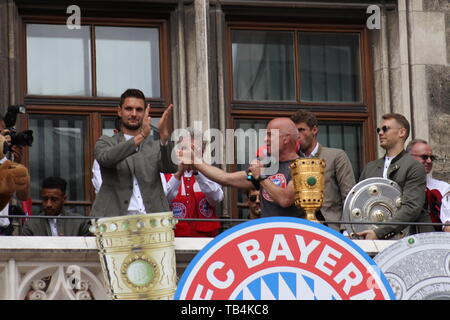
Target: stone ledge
(74,248)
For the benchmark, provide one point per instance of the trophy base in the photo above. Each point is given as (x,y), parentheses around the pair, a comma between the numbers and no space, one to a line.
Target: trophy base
(311,215)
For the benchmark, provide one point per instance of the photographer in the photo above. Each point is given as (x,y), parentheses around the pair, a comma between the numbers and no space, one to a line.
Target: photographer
(14,176)
(16,140)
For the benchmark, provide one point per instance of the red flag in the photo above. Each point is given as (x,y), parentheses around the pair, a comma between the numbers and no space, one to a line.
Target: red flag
(27,207)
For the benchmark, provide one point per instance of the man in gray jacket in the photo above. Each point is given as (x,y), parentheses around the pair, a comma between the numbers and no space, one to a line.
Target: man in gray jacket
(53,195)
(130,161)
(339,177)
(399,166)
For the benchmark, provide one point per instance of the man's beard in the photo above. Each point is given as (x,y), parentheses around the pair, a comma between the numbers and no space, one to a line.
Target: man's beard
(131,127)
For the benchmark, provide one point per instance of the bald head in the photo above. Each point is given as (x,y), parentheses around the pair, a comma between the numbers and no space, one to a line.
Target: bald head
(281,136)
(286,127)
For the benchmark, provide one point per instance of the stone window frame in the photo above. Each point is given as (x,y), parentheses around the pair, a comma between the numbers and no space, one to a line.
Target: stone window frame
(93,108)
(362,113)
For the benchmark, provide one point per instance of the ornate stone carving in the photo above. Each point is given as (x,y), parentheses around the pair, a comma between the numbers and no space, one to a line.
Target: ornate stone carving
(60,282)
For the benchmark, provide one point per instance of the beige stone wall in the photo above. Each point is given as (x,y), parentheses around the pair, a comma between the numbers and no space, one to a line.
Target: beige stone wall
(411,71)
(438,89)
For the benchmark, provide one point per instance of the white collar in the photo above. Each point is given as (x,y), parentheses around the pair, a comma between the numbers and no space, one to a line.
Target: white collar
(127,136)
(313,153)
(189,173)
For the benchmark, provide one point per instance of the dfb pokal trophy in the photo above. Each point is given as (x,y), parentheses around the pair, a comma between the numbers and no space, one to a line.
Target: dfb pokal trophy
(308,176)
(137,255)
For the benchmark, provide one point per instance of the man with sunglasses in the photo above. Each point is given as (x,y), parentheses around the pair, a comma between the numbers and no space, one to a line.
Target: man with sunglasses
(437,193)
(399,166)
(254,203)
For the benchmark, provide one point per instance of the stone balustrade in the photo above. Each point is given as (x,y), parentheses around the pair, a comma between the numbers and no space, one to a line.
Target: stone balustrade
(68,268)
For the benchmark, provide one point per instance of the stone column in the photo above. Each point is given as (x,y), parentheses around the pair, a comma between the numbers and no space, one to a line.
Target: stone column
(4,57)
(381,65)
(217,54)
(178,57)
(427,50)
(411,70)
(9,41)
(431,59)
(391,65)
(198,97)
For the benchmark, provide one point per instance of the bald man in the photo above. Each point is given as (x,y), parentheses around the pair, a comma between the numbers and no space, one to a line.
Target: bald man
(437,193)
(277,188)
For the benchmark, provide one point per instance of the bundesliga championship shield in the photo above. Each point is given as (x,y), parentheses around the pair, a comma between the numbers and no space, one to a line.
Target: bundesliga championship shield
(282,258)
(418,266)
(371,200)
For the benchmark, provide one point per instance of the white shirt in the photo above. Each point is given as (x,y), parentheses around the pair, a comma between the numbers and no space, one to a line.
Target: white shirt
(53,228)
(444,189)
(96,176)
(445,208)
(313,153)
(213,191)
(136,205)
(387,163)
(4,222)
(136,201)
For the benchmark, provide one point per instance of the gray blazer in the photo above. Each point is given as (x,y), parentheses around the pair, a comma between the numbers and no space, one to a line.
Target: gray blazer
(119,160)
(65,227)
(339,179)
(410,176)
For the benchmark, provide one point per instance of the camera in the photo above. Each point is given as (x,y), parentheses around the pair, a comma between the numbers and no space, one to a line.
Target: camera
(24,138)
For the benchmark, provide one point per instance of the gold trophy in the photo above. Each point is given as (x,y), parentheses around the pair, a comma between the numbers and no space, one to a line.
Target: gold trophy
(308,176)
(137,255)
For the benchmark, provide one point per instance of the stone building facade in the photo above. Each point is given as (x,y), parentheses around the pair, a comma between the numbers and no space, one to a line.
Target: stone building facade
(402,66)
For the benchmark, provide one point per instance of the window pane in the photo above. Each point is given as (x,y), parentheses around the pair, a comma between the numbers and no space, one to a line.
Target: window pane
(154,127)
(127,58)
(330,68)
(245,150)
(58,150)
(109,124)
(345,136)
(58,60)
(263,65)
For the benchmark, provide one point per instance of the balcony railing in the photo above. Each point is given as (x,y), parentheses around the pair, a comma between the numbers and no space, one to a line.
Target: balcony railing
(68,268)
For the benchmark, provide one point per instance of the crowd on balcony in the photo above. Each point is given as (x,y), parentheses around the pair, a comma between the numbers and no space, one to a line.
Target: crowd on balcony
(133,174)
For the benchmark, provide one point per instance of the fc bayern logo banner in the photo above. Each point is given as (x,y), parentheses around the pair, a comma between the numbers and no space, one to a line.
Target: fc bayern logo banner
(282,258)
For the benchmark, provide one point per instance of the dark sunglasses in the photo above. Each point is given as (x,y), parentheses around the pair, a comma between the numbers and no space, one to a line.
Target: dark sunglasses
(425,157)
(252,198)
(385,129)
